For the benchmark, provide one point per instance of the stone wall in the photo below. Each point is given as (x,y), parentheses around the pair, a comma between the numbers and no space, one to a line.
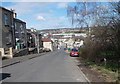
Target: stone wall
(8,55)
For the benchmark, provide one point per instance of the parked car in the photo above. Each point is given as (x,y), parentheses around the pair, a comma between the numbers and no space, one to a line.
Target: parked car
(65,48)
(74,52)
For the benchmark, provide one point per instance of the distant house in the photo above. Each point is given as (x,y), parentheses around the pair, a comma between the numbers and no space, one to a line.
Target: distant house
(69,42)
(7,41)
(47,43)
(32,38)
(20,34)
(78,43)
(40,41)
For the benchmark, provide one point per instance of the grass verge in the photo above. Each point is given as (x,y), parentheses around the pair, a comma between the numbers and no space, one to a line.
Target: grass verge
(110,76)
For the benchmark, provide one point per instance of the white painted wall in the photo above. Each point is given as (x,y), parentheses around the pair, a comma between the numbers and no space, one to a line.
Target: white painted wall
(70,34)
(48,45)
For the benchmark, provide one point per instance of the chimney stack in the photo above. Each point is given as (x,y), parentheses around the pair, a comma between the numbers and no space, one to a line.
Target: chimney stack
(14,14)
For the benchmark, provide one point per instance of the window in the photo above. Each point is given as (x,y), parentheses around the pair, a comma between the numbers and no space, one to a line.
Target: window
(21,27)
(75,50)
(6,19)
(9,39)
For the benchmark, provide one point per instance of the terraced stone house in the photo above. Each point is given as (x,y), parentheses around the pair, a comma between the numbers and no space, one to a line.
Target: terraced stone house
(7,41)
(20,34)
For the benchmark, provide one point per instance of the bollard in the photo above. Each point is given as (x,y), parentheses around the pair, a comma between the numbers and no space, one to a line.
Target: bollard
(105,60)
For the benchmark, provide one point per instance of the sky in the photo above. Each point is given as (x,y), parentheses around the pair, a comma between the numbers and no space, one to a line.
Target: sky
(41,15)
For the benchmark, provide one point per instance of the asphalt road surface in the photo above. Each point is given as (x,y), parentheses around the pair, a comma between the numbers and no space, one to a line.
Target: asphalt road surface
(55,66)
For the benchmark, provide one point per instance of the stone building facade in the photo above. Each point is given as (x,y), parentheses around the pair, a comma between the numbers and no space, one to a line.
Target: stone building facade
(7,41)
(20,34)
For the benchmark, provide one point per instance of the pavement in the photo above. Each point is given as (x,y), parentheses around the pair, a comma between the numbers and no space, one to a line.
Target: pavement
(56,66)
(15,60)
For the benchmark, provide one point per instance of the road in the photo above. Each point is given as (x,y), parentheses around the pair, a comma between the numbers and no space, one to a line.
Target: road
(56,66)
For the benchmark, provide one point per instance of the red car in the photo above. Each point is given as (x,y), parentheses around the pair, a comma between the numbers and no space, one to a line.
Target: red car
(74,52)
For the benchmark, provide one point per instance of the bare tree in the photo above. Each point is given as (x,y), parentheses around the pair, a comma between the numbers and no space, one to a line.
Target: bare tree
(104,20)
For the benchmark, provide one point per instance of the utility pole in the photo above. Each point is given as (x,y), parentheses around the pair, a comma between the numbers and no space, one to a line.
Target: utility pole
(38,41)
(86,13)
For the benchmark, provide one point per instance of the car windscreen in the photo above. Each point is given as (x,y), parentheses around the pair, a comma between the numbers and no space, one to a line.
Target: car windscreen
(75,50)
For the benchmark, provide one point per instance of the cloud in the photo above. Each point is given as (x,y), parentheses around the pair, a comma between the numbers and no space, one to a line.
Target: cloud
(55,22)
(26,7)
(41,15)
(59,0)
(40,18)
(21,8)
(39,0)
(63,18)
(51,11)
(62,5)
(45,14)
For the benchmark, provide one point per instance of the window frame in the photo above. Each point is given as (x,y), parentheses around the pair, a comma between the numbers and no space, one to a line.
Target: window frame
(6,19)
